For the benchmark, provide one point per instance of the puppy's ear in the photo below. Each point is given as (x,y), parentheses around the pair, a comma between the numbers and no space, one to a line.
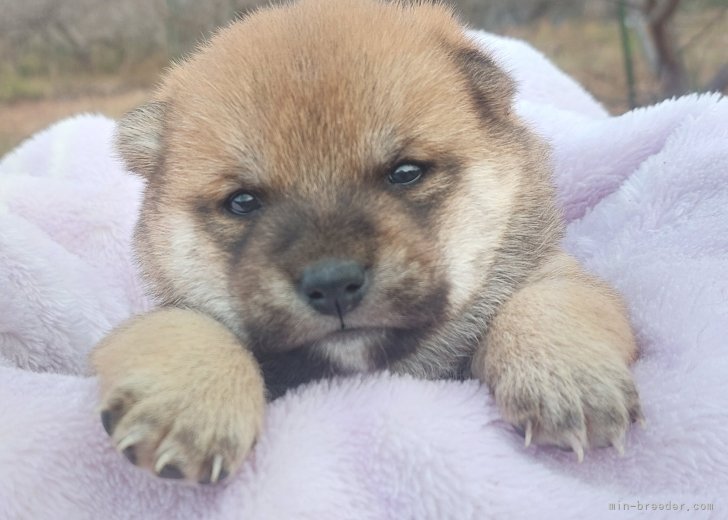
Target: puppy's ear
(139,137)
(491,88)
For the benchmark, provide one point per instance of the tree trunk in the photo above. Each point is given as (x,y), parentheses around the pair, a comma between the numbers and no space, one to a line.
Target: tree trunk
(670,69)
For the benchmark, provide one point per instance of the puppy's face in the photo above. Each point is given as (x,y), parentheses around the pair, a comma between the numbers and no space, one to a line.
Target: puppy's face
(331,176)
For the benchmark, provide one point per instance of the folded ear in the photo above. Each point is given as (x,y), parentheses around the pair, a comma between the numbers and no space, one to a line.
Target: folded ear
(491,88)
(139,137)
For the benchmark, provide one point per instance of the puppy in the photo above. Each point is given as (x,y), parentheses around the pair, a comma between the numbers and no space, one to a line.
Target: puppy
(337,187)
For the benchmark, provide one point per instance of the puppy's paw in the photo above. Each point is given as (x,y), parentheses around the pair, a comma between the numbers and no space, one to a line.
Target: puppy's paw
(180,432)
(576,404)
(180,396)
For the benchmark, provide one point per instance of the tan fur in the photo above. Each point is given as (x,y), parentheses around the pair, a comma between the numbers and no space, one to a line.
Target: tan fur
(182,392)
(556,357)
(309,107)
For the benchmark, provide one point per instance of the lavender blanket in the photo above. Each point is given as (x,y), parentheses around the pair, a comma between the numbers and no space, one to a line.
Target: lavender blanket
(646,197)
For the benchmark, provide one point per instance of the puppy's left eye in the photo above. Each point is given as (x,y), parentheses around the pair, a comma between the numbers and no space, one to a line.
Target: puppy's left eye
(405,174)
(242,203)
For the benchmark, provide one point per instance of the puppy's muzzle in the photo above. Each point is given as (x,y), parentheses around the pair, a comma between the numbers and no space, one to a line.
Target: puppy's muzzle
(333,286)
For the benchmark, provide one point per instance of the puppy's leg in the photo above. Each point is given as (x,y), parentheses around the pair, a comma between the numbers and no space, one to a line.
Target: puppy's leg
(179,394)
(556,359)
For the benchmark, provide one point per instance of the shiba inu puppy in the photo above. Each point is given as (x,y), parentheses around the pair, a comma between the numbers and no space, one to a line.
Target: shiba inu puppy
(337,187)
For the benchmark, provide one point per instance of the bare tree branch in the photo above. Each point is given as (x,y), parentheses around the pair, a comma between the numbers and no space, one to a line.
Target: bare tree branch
(658,15)
(719,83)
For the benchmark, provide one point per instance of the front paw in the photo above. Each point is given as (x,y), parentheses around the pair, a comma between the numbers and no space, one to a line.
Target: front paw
(179,432)
(577,403)
(180,395)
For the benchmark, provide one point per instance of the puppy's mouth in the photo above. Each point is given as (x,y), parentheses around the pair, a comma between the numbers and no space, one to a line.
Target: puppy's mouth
(355,349)
(354,333)
(356,329)
(367,335)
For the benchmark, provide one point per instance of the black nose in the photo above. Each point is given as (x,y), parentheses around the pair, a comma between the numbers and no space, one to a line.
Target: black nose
(333,286)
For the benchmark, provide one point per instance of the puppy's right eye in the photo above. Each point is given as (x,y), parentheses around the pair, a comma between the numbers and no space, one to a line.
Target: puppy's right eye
(242,203)
(405,174)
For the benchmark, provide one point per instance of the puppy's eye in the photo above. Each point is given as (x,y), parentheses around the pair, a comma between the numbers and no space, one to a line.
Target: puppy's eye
(405,174)
(242,203)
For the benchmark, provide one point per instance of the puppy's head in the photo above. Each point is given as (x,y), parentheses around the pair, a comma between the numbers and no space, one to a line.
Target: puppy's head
(330,176)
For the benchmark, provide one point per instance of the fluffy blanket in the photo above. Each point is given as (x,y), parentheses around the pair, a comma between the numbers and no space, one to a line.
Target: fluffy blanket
(646,197)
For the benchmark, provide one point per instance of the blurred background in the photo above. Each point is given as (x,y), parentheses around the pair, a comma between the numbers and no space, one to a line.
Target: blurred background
(60,57)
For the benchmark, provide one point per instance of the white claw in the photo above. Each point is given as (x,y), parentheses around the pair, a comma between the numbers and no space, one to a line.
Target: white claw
(129,440)
(216,468)
(578,446)
(618,443)
(162,461)
(529,433)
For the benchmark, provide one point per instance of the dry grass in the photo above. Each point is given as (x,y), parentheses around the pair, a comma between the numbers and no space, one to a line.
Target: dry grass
(20,120)
(589,50)
(43,100)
